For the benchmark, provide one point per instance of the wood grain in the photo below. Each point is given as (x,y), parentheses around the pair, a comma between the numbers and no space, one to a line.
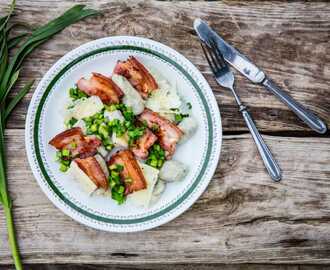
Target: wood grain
(172,266)
(243,217)
(290,41)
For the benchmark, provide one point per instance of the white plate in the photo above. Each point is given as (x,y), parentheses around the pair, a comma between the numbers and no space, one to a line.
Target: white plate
(44,120)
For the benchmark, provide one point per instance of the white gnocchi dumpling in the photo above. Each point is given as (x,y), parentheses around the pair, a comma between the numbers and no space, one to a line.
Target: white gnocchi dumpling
(173,170)
(86,107)
(131,98)
(189,126)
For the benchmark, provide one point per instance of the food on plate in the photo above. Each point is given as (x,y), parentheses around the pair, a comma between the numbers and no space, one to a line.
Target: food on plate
(73,143)
(85,107)
(131,97)
(158,191)
(101,86)
(143,197)
(142,145)
(93,169)
(121,132)
(167,132)
(172,170)
(131,174)
(189,126)
(138,76)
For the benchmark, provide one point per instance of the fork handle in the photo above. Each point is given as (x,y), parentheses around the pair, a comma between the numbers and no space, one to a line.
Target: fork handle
(306,116)
(267,157)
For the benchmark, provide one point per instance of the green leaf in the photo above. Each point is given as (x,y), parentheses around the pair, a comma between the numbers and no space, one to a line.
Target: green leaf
(5,19)
(11,105)
(13,79)
(14,41)
(4,55)
(5,200)
(41,35)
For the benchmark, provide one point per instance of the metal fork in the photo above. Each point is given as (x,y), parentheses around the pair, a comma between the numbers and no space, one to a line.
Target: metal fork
(225,78)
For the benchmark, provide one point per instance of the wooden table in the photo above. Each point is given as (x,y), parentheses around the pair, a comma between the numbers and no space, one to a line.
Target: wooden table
(243,217)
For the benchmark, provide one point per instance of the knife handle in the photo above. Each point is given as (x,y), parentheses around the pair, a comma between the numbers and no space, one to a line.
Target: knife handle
(267,157)
(306,116)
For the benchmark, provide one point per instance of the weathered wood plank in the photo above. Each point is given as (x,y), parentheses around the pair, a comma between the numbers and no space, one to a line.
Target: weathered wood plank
(243,217)
(290,41)
(172,266)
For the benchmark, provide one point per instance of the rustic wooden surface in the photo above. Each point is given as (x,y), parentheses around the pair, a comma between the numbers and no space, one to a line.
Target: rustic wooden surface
(243,217)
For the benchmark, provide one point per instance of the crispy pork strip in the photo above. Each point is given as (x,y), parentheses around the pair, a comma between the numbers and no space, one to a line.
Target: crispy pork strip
(101,86)
(168,133)
(142,145)
(74,141)
(131,170)
(137,75)
(93,169)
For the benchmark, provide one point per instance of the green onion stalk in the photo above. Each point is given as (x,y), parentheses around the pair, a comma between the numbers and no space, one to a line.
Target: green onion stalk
(13,50)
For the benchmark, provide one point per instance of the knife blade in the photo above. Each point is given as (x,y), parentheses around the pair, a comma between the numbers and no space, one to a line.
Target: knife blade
(231,55)
(256,75)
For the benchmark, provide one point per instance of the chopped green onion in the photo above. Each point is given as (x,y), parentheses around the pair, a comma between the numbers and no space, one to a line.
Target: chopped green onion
(65,153)
(121,189)
(94,128)
(63,168)
(109,147)
(179,117)
(103,131)
(65,162)
(156,156)
(70,123)
(120,198)
(119,167)
(73,145)
(114,174)
(111,108)
(76,93)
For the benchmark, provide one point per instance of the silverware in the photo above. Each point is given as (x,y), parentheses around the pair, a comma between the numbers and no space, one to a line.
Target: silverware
(225,78)
(256,75)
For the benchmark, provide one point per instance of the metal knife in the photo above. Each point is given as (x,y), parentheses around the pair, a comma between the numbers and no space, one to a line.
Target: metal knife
(256,75)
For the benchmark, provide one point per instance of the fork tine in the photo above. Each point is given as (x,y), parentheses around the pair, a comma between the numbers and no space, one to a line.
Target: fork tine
(213,57)
(206,53)
(217,53)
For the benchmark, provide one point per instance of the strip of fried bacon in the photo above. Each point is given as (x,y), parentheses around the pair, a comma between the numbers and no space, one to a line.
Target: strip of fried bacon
(101,86)
(137,75)
(142,145)
(92,168)
(168,133)
(131,171)
(74,140)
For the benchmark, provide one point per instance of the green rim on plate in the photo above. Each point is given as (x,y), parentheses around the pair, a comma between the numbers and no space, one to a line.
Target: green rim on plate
(73,205)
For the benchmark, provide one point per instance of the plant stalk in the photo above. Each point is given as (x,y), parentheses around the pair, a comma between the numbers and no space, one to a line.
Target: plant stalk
(12,238)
